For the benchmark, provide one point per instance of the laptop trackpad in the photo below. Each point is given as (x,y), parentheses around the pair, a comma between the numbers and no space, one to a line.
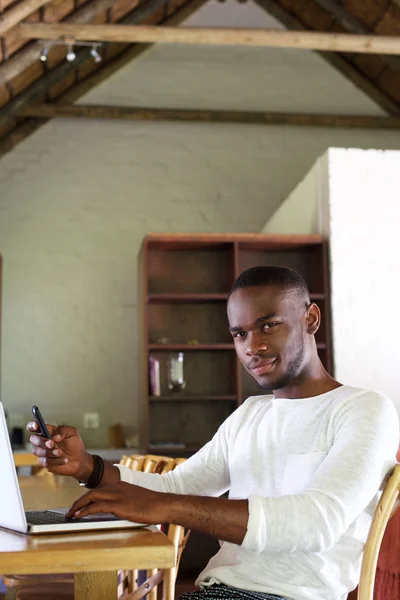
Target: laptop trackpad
(94,517)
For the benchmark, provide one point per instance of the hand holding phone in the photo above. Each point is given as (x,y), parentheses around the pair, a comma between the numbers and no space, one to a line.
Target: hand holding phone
(40,421)
(62,451)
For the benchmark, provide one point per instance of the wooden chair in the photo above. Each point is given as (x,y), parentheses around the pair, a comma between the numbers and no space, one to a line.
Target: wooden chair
(54,587)
(387,506)
(151,463)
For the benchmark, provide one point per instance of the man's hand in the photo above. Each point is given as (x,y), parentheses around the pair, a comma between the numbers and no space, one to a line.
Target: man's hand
(222,518)
(125,501)
(64,453)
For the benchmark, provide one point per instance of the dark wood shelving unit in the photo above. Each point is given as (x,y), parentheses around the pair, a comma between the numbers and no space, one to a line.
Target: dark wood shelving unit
(186,279)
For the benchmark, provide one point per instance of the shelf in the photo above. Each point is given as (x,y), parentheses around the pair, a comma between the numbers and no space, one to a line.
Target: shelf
(178,398)
(188,347)
(164,298)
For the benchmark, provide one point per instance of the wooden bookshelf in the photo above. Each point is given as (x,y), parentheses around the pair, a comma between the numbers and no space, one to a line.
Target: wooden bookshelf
(185,282)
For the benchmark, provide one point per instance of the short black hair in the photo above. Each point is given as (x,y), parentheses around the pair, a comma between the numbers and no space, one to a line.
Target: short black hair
(282,277)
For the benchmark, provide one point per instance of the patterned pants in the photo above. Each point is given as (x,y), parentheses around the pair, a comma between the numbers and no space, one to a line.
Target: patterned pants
(223,592)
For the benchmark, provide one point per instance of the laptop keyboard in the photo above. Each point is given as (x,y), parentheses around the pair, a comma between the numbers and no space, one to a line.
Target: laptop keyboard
(45,517)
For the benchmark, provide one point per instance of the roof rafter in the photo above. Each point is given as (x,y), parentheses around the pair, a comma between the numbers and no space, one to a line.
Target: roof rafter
(353,25)
(340,63)
(15,15)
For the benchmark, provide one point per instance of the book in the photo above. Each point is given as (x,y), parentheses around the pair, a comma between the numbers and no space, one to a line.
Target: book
(154,376)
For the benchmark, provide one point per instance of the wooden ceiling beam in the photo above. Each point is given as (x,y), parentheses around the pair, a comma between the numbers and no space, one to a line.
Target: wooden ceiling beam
(131,53)
(344,66)
(30,54)
(299,40)
(17,14)
(129,113)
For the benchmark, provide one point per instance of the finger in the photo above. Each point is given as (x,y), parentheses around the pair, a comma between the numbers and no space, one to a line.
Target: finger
(80,503)
(51,463)
(43,452)
(100,495)
(33,426)
(39,444)
(38,441)
(93,508)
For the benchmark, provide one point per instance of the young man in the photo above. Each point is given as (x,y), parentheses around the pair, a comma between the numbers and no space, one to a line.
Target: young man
(303,463)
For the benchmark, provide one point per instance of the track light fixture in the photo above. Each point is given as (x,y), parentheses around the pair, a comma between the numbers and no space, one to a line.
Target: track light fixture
(70,53)
(71,48)
(95,54)
(44,53)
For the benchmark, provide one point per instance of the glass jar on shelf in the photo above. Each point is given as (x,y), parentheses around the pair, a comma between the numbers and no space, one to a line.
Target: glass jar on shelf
(175,372)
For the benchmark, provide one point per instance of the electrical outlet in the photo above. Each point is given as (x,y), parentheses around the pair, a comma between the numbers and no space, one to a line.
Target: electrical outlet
(91,420)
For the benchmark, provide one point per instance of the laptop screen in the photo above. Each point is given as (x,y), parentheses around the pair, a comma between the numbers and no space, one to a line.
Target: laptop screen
(12,515)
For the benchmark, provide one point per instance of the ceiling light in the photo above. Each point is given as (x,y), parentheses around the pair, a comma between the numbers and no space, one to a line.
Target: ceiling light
(71,54)
(44,53)
(95,54)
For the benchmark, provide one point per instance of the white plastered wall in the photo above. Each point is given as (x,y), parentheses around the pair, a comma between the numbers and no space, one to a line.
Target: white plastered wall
(354,199)
(77,197)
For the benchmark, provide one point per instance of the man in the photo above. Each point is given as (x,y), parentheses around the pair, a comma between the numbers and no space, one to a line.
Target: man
(303,464)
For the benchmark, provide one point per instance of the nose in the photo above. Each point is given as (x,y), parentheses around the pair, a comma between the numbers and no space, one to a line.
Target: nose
(255,345)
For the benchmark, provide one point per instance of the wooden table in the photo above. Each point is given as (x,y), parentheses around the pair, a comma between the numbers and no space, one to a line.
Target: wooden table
(94,558)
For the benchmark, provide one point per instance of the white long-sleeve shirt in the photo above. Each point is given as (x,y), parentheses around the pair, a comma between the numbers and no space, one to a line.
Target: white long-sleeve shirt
(311,469)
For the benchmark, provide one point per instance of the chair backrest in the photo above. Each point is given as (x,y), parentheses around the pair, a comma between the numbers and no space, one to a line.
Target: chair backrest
(385,509)
(152,463)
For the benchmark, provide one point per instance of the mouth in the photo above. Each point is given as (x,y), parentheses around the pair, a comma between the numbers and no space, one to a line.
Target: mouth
(264,367)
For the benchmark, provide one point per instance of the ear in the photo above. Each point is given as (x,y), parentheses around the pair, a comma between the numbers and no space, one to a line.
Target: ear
(313,318)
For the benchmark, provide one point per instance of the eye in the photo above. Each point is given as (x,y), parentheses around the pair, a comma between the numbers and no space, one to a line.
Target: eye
(239,334)
(268,326)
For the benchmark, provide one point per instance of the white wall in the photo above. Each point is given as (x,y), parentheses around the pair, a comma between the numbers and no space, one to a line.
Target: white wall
(301,212)
(364,206)
(77,197)
(355,199)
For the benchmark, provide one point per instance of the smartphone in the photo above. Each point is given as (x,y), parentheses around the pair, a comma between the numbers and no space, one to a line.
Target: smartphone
(40,421)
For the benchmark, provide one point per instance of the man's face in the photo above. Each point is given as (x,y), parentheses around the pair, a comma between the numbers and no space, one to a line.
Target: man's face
(269,328)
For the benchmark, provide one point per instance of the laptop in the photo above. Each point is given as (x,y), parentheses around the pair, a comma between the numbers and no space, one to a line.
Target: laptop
(12,513)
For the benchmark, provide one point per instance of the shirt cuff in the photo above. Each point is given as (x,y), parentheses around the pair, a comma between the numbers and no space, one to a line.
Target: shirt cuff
(256,535)
(125,473)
